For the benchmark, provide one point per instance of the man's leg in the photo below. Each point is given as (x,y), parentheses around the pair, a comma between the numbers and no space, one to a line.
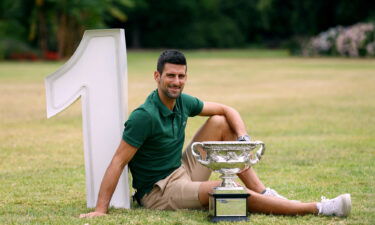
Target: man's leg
(217,128)
(263,204)
(251,180)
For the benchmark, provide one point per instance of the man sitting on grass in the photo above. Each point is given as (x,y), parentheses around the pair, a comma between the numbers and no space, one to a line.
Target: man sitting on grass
(165,178)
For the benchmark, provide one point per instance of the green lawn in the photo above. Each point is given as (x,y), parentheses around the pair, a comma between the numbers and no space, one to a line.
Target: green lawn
(316,116)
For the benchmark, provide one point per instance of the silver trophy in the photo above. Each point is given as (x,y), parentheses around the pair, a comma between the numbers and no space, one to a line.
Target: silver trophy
(228,201)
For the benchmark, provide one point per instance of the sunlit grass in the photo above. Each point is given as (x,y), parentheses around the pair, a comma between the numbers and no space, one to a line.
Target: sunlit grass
(316,116)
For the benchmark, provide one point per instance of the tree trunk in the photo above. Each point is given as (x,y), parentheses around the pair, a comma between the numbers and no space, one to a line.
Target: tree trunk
(69,35)
(61,33)
(43,40)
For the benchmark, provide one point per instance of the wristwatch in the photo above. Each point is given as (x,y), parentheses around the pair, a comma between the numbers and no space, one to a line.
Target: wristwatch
(244,138)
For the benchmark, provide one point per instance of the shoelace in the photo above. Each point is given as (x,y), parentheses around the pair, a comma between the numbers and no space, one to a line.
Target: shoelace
(324,199)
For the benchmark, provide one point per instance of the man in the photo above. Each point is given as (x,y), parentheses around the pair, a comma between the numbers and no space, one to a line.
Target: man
(152,146)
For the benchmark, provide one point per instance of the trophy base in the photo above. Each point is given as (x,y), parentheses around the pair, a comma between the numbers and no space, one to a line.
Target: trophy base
(217,219)
(228,207)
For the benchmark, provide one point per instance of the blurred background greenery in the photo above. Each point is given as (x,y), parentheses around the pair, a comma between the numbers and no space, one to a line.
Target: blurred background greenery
(52,29)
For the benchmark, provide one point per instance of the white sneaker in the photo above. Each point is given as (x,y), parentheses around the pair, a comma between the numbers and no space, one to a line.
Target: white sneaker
(339,206)
(271,192)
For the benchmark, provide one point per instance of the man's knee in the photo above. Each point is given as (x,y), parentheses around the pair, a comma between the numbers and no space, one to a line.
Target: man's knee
(218,121)
(216,128)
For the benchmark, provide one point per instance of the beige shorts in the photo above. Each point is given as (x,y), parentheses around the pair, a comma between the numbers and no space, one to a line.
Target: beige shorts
(180,189)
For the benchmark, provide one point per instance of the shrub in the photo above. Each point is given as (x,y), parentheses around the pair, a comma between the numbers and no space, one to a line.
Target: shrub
(353,41)
(16,49)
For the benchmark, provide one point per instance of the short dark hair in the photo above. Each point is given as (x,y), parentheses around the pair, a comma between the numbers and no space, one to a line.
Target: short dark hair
(170,56)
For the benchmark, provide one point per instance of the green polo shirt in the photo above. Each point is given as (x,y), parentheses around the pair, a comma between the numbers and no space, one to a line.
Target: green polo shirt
(159,135)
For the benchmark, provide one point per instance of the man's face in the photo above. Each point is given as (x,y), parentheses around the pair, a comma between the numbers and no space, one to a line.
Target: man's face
(172,81)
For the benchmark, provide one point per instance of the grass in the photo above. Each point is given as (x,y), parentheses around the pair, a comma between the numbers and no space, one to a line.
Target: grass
(316,116)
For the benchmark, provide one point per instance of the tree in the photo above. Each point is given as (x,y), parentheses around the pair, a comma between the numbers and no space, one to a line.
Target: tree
(60,23)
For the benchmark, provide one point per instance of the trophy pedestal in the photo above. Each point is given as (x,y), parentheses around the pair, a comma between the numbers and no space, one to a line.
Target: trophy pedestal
(228,207)
(228,202)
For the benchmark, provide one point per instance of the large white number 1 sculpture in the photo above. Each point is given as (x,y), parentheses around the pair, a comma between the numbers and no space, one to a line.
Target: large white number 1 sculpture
(97,72)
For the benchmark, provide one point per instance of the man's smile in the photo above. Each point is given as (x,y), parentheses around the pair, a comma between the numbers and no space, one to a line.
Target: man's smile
(174,88)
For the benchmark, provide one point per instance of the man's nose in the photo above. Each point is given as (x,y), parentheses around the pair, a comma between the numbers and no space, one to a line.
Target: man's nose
(176,80)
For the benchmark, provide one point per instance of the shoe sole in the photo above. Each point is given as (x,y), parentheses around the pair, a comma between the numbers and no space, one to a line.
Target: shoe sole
(347,204)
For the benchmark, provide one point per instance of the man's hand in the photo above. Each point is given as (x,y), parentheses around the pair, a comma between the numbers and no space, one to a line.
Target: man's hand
(123,155)
(92,214)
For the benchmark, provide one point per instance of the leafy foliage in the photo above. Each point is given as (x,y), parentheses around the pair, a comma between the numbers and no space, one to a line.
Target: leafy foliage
(57,25)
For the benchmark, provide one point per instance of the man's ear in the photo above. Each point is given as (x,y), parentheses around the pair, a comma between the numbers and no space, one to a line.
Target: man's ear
(157,76)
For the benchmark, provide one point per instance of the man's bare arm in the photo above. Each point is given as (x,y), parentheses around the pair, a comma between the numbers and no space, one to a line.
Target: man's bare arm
(233,117)
(121,158)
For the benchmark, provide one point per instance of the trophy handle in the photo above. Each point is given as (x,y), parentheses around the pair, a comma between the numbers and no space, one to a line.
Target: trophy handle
(259,153)
(197,154)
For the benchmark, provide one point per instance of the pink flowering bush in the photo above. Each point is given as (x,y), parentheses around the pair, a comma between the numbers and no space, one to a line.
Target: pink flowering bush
(354,41)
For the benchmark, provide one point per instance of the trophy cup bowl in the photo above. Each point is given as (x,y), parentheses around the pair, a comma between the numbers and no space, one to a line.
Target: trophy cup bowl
(228,201)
